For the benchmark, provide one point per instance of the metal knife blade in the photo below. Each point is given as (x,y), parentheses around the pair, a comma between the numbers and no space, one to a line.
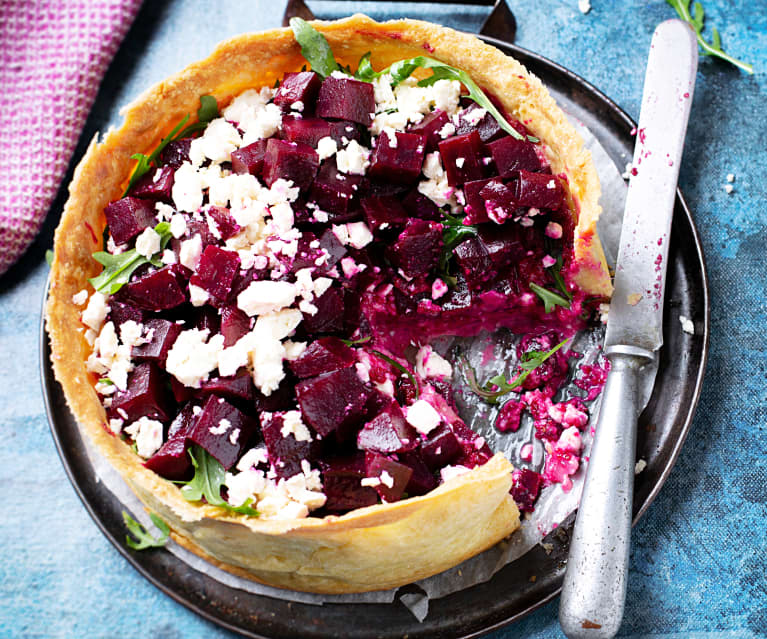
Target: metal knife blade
(636,309)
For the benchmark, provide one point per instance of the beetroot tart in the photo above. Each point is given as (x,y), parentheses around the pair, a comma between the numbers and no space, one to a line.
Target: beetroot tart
(242,303)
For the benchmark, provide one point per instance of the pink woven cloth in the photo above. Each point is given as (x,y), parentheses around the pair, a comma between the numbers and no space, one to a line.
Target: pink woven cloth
(53,55)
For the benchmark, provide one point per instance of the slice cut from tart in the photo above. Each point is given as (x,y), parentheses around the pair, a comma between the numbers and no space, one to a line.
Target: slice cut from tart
(255,359)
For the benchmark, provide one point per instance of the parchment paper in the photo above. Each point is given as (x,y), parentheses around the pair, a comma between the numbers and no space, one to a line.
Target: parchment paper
(553,505)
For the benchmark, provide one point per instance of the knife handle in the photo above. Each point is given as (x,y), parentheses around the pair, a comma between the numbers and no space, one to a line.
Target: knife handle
(594,588)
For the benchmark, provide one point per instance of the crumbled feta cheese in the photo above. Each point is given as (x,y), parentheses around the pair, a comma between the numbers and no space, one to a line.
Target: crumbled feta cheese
(429,363)
(190,252)
(78,299)
(253,457)
(147,433)
(266,358)
(222,426)
(436,188)
(265,296)
(297,106)
(187,188)
(96,311)
(459,162)
(730,177)
(548,261)
(687,325)
(243,486)
(553,230)
(293,350)
(216,143)
(728,188)
(640,466)
(148,243)
(422,416)
(447,130)
(131,333)
(449,472)
(438,289)
(293,425)
(355,234)
(370,482)
(387,480)
(326,147)
(277,325)
(116,425)
(197,295)
(168,257)
(353,159)
(193,357)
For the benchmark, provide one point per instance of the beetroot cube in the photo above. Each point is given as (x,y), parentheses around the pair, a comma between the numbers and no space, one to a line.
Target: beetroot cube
(216,271)
(462,158)
(422,480)
(430,128)
(344,132)
(420,206)
(526,484)
(475,450)
(282,399)
(298,87)
(475,206)
(180,392)
(201,228)
(239,386)
(172,460)
(500,200)
(163,335)
(120,313)
(511,155)
(222,220)
(398,159)
(487,126)
(474,262)
(418,248)
(145,396)
(346,99)
(332,400)
(329,317)
(234,324)
(388,432)
(250,158)
(540,190)
(127,217)
(334,192)
(155,185)
(307,131)
(393,477)
(290,161)
(285,451)
(157,291)
(509,416)
(334,249)
(341,479)
(222,430)
(504,244)
(382,212)
(307,254)
(324,355)
(176,152)
(441,448)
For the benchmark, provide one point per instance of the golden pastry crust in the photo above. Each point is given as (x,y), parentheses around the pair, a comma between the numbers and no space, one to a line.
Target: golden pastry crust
(373,548)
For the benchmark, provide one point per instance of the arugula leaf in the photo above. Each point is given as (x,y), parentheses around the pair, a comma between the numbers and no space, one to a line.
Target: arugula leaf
(549,298)
(208,478)
(208,111)
(682,7)
(402,369)
(498,386)
(119,268)
(49,257)
(145,539)
(314,47)
(559,280)
(365,70)
(355,342)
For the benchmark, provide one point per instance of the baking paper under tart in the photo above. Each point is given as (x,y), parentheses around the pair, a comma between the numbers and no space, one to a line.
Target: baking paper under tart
(372,548)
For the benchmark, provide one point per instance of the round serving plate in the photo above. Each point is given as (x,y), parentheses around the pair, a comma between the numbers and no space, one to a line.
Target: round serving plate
(519,587)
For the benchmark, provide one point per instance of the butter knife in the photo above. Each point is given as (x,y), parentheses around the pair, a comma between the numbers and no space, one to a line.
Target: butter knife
(594,588)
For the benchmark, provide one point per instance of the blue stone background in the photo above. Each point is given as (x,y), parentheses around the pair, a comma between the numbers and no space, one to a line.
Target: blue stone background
(698,563)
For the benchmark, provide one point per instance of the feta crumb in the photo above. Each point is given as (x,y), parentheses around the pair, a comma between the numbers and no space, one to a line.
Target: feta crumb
(265,296)
(193,357)
(326,147)
(459,162)
(116,425)
(387,480)
(730,177)
(449,472)
(223,426)
(728,188)
(438,289)
(177,225)
(297,106)
(447,130)
(253,457)
(147,433)
(422,416)
(80,298)
(190,252)
(353,159)
(640,466)
(355,234)
(429,364)
(148,243)
(187,188)
(243,486)
(197,295)
(96,311)
(687,325)
(370,482)
(293,425)
(553,230)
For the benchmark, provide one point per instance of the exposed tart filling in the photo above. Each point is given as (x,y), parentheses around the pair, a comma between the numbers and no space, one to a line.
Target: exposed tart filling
(275,283)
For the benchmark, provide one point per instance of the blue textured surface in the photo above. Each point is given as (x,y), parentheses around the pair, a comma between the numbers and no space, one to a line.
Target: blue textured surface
(698,564)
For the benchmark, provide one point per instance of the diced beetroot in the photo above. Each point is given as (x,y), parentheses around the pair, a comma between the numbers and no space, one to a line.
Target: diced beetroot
(382,212)
(239,386)
(511,155)
(441,448)
(420,206)
(305,130)
(526,484)
(540,190)
(509,416)
(422,480)
(344,131)
(128,216)
(172,460)
(462,158)
(206,318)
(475,206)
(216,272)
(430,127)
(282,399)
(398,160)
(346,99)
(334,192)
(250,158)
(290,161)
(341,479)
(335,250)
(487,126)
(234,324)
(221,219)
(306,255)
(504,244)
(405,390)
(474,262)
(222,430)
(500,200)
(329,317)
(393,476)
(163,335)
(298,87)
(145,396)
(417,250)
(120,313)
(176,152)
(475,449)
(332,400)
(155,185)
(156,291)
(201,228)
(324,355)
(285,451)
(388,432)
(180,392)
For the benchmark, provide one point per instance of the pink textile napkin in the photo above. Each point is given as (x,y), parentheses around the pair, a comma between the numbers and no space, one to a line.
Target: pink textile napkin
(53,55)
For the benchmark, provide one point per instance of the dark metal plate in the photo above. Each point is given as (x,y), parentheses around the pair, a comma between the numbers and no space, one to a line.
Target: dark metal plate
(509,594)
